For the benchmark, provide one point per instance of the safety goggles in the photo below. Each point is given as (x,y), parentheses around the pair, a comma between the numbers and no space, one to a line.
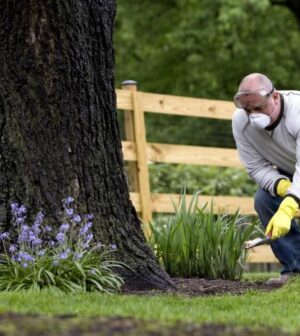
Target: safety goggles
(254,99)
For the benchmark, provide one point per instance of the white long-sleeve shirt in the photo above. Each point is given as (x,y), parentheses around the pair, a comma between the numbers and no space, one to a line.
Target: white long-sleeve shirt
(263,151)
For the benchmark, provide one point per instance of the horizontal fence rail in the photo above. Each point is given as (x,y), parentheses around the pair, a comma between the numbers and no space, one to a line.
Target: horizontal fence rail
(162,203)
(139,154)
(209,156)
(176,105)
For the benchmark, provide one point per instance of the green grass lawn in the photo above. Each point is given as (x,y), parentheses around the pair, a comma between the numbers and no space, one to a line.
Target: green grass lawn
(277,309)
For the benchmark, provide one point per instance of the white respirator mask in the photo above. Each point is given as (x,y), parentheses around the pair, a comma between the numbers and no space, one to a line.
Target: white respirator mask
(259,120)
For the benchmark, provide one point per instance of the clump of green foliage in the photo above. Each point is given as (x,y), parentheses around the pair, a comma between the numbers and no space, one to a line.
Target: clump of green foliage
(168,178)
(196,242)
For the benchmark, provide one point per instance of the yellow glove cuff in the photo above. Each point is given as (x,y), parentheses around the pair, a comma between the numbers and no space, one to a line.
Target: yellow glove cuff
(282,187)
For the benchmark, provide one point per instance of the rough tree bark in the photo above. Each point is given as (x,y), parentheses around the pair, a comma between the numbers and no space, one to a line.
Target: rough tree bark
(58,124)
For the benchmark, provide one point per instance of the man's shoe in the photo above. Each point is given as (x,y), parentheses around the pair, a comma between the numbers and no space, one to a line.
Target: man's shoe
(278,282)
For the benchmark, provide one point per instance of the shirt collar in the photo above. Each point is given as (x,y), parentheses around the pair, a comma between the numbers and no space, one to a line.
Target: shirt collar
(275,124)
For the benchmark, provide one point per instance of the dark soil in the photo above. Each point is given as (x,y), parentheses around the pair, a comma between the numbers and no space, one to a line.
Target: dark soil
(203,287)
(29,325)
(200,287)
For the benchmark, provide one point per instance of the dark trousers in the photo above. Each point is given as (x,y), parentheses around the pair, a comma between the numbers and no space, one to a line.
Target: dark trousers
(287,248)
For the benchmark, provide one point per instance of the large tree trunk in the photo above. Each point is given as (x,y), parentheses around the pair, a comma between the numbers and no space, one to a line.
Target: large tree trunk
(58,123)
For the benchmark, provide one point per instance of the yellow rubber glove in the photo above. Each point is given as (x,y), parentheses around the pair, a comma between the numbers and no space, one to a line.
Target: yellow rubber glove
(282,187)
(280,223)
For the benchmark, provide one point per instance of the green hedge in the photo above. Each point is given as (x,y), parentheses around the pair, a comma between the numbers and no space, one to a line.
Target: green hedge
(169,178)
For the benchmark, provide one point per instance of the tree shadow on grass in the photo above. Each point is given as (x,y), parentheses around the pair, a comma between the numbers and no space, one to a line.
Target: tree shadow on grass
(34,325)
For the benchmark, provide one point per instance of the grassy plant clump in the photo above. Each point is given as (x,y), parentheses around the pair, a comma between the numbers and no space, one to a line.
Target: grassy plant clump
(65,260)
(196,242)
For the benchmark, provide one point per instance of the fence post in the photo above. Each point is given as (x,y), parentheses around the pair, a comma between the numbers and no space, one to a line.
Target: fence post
(135,131)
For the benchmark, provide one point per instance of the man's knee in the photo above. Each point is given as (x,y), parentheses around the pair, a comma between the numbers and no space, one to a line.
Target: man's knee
(261,199)
(265,203)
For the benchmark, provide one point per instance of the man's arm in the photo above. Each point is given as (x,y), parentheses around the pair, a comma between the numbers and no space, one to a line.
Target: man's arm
(260,170)
(280,223)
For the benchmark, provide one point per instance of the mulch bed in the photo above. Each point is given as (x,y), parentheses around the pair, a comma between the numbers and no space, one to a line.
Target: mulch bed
(203,287)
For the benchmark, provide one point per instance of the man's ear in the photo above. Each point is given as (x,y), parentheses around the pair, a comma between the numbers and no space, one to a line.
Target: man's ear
(276,96)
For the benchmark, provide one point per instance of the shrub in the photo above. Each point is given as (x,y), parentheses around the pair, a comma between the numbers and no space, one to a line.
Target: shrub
(195,242)
(65,260)
(168,178)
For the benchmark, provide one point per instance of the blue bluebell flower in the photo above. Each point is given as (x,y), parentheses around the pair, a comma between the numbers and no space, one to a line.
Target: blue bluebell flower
(60,237)
(68,200)
(24,234)
(39,219)
(12,248)
(85,228)
(24,256)
(78,256)
(36,241)
(89,237)
(64,227)
(64,254)
(14,207)
(4,235)
(70,212)
(20,220)
(77,219)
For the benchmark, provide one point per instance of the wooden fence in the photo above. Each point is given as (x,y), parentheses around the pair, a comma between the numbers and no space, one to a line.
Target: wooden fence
(138,153)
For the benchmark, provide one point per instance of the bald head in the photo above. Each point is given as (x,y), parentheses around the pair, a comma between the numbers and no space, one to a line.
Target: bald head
(255,81)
